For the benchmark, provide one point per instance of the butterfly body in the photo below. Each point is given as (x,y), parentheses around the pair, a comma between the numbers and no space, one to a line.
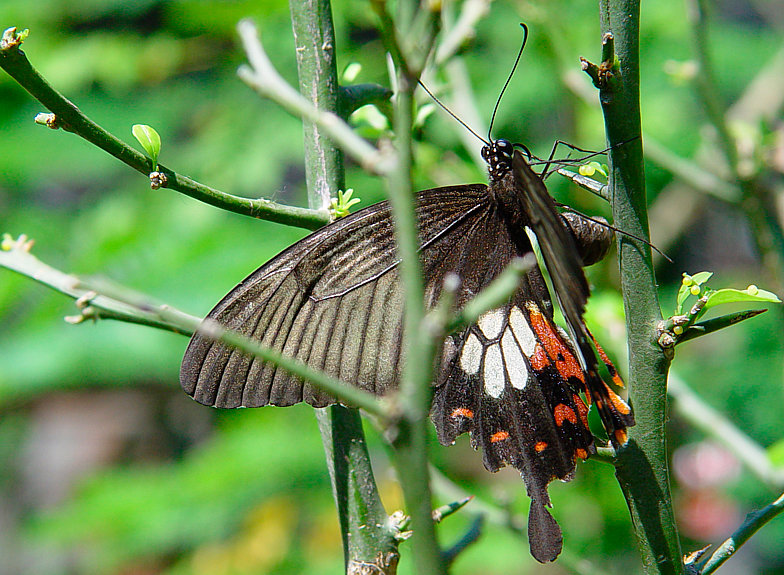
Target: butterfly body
(335,301)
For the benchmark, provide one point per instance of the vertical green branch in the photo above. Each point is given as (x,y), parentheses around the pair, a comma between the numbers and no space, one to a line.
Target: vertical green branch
(415,390)
(314,38)
(409,41)
(642,465)
(368,537)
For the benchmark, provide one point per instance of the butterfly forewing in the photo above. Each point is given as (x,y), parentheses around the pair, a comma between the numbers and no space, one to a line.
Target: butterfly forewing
(334,301)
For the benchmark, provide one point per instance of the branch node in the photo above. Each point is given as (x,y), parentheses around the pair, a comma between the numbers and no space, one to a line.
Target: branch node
(158,180)
(605,76)
(11,38)
(22,243)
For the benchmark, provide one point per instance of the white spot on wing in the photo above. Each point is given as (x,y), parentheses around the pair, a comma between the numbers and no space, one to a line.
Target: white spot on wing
(491,323)
(515,364)
(495,379)
(471,356)
(522,331)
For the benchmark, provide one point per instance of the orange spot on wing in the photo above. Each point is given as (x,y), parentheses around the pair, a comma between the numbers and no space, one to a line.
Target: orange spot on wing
(540,446)
(581,453)
(563,413)
(620,405)
(621,437)
(499,436)
(462,412)
(539,359)
(557,349)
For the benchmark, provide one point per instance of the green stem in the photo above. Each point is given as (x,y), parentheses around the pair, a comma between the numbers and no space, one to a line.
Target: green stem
(131,307)
(368,536)
(642,464)
(415,390)
(314,39)
(16,64)
(753,523)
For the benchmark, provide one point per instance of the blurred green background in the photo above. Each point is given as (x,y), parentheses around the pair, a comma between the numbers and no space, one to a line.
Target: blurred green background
(107,467)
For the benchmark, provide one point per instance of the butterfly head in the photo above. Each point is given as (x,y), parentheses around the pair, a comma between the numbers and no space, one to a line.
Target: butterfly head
(498,155)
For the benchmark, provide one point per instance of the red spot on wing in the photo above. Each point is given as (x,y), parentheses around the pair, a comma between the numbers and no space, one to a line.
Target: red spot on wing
(564,413)
(539,359)
(540,446)
(581,453)
(499,436)
(462,412)
(565,361)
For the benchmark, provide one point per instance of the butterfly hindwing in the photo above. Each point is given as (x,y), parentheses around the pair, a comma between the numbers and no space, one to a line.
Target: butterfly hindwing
(505,385)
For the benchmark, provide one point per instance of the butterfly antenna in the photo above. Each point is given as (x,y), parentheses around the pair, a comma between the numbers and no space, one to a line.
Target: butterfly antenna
(617,230)
(451,113)
(508,79)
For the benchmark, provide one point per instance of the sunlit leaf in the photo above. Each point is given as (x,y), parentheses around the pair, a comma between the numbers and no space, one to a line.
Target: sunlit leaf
(729,295)
(149,139)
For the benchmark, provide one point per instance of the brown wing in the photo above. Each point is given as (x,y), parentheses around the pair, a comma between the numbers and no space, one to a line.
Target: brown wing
(332,300)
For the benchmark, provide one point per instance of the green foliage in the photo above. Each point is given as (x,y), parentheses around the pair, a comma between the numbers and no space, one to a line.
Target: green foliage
(150,141)
(210,500)
(340,206)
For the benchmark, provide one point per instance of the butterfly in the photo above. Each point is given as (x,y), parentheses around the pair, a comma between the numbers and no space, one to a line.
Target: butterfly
(512,380)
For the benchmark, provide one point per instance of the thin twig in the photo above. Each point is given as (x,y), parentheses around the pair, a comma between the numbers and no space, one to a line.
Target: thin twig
(503,517)
(71,119)
(370,539)
(463,29)
(754,522)
(16,256)
(470,537)
(494,295)
(420,345)
(262,76)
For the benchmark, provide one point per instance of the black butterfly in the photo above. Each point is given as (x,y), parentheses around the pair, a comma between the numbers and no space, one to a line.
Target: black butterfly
(334,300)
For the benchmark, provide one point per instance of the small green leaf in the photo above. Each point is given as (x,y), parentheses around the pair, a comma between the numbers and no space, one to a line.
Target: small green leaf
(728,295)
(586,170)
(341,205)
(690,285)
(701,277)
(683,294)
(592,168)
(150,141)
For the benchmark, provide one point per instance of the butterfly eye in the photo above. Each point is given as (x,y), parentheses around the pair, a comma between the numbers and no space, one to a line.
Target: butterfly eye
(486,151)
(504,148)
